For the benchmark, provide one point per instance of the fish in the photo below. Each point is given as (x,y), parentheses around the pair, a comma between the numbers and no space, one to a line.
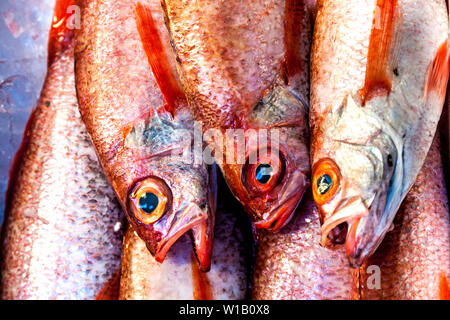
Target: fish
(62,234)
(292,265)
(242,66)
(379,70)
(135,112)
(413,261)
(179,276)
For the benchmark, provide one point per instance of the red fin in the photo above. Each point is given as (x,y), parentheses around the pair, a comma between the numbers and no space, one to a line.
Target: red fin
(61,30)
(110,290)
(356,288)
(378,75)
(162,69)
(200,282)
(444,288)
(294,15)
(438,72)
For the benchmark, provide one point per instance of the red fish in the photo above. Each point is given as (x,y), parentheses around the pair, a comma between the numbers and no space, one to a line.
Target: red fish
(378,79)
(62,235)
(413,261)
(292,265)
(179,276)
(242,64)
(139,121)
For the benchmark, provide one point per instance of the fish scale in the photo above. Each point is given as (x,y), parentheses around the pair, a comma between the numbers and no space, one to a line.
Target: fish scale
(125,99)
(379,71)
(243,67)
(414,258)
(177,277)
(292,265)
(62,235)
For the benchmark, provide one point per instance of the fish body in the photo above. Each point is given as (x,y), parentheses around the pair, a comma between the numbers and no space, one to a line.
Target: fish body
(413,261)
(378,79)
(137,127)
(292,265)
(179,277)
(242,65)
(61,238)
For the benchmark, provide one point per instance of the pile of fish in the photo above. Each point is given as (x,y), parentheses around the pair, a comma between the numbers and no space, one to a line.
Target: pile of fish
(196,149)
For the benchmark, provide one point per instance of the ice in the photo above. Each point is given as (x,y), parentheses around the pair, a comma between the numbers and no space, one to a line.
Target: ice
(24,26)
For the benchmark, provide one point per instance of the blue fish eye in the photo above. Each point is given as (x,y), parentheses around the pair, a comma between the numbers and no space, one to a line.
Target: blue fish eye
(148,202)
(263,172)
(324,183)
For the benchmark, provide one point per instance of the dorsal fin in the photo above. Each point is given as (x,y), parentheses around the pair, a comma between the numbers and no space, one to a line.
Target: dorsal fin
(61,32)
(294,14)
(162,69)
(381,47)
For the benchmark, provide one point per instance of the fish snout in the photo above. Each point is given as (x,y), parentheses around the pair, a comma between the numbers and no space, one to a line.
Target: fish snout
(362,227)
(282,210)
(193,218)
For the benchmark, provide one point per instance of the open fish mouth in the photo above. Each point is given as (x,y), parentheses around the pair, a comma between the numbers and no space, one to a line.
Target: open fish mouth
(348,211)
(195,219)
(362,227)
(279,216)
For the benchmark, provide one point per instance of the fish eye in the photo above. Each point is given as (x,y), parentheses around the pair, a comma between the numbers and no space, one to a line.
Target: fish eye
(149,200)
(264,175)
(390,161)
(324,183)
(326,179)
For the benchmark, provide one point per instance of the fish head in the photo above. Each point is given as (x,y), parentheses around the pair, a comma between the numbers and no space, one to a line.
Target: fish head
(172,195)
(357,178)
(275,171)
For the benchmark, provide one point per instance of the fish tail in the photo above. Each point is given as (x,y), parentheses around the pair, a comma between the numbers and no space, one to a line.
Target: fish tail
(162,69)
(381,47)
(65,19)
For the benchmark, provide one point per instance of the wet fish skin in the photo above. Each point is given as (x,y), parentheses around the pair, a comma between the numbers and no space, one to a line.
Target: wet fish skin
(292,265)
(414,259)
(61,238)
(242,64)
(369,137)
(133,133)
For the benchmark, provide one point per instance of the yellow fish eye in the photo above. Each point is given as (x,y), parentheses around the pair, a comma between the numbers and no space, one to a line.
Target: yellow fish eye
(326,179)
(149,200)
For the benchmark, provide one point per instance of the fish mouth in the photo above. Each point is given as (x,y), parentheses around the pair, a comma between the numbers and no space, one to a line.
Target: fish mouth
(195,219)
(364,231)
(281,214)
(348,211)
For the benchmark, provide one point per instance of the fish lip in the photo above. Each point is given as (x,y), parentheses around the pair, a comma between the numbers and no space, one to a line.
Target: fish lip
(279,216)
(343,214)
(359,245)
(177,230)
(363,242)
(202,242)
